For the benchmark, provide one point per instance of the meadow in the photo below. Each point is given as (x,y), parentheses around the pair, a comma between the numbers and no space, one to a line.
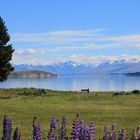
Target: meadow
(101,108)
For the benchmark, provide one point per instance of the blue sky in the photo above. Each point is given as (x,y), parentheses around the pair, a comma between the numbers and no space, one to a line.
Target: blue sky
(51,31)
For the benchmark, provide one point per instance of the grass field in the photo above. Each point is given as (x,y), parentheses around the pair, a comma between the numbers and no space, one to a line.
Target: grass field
(21,105)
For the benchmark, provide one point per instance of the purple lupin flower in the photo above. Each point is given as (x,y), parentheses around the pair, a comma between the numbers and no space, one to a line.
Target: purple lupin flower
(76,128)
(53,129)
(7,128)
(113,131)
(51,135)
(114,136)
(36,129)
(91,131)
(75,133)
(121,133)
(86,135)
(82,132)
(110,136)
(73,130)
(63,128)
(54,123)
(105,137)
(17,134)
(113,126)
(126,136)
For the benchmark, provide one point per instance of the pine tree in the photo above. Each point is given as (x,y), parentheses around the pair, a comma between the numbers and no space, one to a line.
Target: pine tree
(6,52)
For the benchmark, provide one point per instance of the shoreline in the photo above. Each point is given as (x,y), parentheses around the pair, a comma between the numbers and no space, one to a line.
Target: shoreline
(135,91)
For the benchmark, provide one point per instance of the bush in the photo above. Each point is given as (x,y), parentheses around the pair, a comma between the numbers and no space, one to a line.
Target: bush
(136,91)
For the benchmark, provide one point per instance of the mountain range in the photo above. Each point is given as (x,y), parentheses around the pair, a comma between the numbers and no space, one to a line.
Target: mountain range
(69,67)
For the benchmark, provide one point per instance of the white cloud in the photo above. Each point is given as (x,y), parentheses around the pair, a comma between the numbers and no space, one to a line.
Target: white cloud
(128,38)
(30,52)
(29,56)
(81,59)
(78,39)
(96,60)
(56,37)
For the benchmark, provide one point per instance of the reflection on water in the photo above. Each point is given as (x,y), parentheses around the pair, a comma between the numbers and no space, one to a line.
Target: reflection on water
(77,82)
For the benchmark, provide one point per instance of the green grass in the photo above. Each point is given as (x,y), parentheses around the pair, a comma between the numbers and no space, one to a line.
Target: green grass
(21,105)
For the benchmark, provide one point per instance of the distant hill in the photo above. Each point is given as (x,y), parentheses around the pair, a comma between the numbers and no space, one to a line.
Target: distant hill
(32,74)
(133,74)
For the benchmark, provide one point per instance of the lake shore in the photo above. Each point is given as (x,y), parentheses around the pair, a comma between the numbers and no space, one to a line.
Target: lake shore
(101,108)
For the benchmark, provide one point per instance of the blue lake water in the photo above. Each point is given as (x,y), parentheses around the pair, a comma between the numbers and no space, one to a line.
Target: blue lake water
(77,82)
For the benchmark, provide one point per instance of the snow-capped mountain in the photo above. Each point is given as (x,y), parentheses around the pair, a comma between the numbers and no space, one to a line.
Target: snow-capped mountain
(69,67)
(117,67)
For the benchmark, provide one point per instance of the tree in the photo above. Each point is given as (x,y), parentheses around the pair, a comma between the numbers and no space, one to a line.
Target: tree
(6,52)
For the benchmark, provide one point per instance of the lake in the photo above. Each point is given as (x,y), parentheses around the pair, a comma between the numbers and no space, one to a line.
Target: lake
(77,82)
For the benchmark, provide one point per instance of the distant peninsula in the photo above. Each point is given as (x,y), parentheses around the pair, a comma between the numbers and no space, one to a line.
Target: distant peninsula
(32,74)
(127,74)
(133,74)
